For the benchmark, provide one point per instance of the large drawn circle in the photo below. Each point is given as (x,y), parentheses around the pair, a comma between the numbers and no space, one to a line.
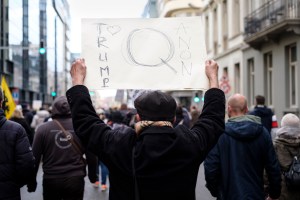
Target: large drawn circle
(160,47)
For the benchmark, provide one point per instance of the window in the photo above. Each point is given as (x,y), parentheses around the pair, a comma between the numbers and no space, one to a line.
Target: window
(237,78)
(236,17)
(268,70)
(225,25)
(292,75)
(207,32)
(215,34)
(250,66)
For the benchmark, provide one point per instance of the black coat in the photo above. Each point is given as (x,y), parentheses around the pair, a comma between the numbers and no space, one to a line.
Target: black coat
(166,159)
(16,158)
(26,126)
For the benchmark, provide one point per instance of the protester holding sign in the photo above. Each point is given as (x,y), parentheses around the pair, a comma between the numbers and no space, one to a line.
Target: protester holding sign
(154,161)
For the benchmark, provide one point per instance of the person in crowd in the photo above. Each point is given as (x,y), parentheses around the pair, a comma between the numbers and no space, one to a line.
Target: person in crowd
(94,163)
(180,119)
(18,117)
(234,168)
(154,160)
(262,111)
(287,145)
(39,118)
(28,115)
(16,157)
(61,152)
(194,113)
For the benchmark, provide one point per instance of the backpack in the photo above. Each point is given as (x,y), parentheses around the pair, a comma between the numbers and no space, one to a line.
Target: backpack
(292,176)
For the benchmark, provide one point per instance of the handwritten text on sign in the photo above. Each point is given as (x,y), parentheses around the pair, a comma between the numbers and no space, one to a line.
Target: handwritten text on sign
(164,53)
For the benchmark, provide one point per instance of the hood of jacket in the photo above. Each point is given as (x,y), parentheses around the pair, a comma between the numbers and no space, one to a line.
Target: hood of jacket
(289,136)
(61,108)
(246,127)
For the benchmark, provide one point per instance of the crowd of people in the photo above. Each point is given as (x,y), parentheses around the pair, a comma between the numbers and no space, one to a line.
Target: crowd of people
(151,151)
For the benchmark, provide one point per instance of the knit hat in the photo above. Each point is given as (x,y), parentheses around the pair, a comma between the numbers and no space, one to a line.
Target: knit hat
(290,120)
(155,106)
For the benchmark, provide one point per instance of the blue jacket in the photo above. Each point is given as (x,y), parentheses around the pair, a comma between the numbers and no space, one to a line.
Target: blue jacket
(16,159)
(265,115)
(234,168)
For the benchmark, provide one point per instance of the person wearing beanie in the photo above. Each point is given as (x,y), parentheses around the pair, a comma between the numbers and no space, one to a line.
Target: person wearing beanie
(287,146)
(154,160)
(61,152)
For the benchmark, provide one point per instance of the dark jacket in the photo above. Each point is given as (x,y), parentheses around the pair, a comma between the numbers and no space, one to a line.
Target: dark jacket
(60,159)
(166,160)
(25,125)
(16,158)
(235,166)
(265,115)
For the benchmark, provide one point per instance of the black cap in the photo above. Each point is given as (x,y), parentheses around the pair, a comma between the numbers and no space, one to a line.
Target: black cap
(155,106)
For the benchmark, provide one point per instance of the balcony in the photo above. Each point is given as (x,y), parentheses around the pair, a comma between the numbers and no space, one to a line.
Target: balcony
(271,20)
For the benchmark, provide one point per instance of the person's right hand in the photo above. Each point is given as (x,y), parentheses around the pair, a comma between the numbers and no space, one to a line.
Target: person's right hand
(211,71)
(78,71)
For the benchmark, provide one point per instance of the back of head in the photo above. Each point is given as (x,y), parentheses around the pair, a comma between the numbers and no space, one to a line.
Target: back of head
(260,100)
(17,114)
(156,106)
(290,120)
(60,107)
(116,117)
(237,105)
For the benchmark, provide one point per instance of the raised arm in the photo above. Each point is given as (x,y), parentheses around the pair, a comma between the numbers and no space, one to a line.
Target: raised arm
(211,70)
(210,124)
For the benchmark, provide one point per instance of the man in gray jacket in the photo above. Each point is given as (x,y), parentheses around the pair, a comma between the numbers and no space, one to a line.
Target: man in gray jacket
(63,164)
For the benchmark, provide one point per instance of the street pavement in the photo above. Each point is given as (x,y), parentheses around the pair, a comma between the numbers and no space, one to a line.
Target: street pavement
(91,193)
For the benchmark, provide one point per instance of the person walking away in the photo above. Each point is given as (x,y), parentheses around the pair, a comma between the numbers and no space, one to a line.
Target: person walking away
(154,160)
(39,118)
(28,115)
(234,168)
(61,152)
(18,117)
(262,111)
(16,157)
(287,146)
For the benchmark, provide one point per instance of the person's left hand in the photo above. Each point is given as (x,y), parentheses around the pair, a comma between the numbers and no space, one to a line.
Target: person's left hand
(78,71)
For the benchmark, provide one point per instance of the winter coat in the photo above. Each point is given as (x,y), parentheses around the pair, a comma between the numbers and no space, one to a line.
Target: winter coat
(39,118)
(25,125)
(265,115)
(165,159)
(287,145)
(235,166)
(16,159)
(60,159)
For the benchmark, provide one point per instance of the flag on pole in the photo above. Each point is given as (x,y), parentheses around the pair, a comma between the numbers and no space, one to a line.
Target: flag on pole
(8,104)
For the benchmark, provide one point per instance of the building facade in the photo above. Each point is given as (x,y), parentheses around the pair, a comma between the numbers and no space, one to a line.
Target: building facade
(28,26)
(256,44)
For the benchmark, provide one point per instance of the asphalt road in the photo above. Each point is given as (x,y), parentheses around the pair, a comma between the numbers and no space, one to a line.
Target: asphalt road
(91,193)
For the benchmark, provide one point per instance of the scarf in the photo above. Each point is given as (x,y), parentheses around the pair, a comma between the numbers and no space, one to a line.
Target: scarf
(142,125)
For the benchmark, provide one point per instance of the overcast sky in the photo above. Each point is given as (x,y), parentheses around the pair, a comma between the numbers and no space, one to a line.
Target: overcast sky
(100,9)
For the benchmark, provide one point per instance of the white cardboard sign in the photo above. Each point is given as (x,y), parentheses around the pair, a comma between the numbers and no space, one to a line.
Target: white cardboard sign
(157,53)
